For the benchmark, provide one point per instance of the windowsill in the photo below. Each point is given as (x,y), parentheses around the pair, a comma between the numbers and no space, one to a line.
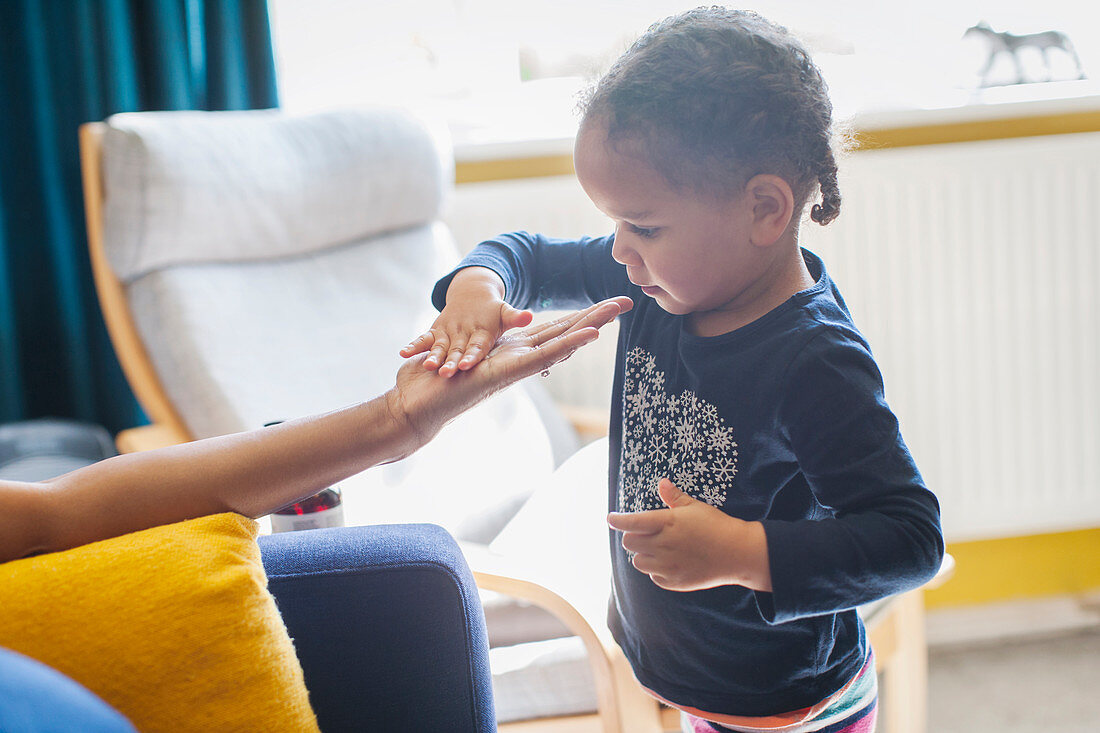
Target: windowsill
(513,148)
(998,112)
(992,104)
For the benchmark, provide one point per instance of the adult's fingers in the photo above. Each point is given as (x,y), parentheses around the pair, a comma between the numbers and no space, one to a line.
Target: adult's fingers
(602,313)
(555,350)
(594,316)
(547,330)
(624,303)
(559,339)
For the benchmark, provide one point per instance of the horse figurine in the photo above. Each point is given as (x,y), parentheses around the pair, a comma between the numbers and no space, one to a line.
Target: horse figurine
(1011,43)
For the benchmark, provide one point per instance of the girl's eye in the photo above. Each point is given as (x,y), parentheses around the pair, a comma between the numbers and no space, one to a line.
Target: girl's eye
(644,232)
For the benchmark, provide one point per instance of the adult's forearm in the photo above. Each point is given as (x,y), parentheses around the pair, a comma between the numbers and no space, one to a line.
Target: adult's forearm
(24,516)
(251,473)
(256,472)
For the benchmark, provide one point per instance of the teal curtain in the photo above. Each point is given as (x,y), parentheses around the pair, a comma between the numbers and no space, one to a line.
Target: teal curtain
(62,63)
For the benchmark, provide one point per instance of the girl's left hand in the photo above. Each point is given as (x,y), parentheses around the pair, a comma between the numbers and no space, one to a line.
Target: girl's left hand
(426,402)
(691,545)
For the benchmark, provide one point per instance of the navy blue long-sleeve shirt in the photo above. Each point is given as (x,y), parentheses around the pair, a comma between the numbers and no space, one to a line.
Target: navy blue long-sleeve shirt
(781,421)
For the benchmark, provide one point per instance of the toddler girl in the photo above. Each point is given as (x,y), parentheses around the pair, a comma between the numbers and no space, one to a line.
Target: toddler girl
(759,487)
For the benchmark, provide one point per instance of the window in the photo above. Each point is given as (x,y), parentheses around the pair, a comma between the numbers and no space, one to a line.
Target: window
(509,70)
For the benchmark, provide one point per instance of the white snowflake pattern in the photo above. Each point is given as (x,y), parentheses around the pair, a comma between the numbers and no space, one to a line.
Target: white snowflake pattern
(724,469)
(685,479)
(685,434)
(711,495)
(721,439)
(656,449)
(632,460)
(679,436)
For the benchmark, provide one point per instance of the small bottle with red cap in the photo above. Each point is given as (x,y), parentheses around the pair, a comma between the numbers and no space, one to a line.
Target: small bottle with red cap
(323,509)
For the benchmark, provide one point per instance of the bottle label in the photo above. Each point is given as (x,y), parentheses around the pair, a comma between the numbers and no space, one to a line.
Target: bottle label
(331,517)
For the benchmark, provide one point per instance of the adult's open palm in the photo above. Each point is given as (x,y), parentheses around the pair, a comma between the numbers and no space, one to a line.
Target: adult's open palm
(428,401)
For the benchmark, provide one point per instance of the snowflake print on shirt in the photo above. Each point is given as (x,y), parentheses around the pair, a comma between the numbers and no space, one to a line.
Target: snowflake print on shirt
(680,437)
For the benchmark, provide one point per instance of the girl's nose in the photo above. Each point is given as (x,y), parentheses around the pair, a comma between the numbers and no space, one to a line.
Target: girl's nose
(621,252)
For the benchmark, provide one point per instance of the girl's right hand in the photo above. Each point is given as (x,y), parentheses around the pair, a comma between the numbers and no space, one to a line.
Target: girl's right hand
(474,318)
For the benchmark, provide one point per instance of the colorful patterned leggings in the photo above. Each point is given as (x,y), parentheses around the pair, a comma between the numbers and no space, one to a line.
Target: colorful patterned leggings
(862,721)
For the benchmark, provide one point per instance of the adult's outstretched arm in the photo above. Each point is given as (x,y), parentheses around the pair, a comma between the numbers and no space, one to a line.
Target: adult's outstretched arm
(256,472)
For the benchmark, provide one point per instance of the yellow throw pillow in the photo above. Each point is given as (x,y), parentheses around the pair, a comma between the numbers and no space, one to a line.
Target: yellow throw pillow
(173,626)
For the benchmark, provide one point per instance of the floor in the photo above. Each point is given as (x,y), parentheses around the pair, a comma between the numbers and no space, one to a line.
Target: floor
(1033,684)
(1049,684)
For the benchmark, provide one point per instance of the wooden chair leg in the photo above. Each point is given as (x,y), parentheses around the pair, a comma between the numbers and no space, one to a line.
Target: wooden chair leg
(906,675)
(623,707)
(637,710)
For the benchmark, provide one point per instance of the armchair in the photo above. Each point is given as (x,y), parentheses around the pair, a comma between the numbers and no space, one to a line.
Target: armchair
(253,266)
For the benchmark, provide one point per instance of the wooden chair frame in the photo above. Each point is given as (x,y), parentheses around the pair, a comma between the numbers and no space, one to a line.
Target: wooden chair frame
(896,629)
(167,426)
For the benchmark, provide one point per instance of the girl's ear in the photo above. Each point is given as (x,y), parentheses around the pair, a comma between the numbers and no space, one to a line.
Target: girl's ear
(772,204)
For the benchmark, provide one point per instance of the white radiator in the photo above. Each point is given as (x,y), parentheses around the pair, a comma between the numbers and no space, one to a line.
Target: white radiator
(971,269)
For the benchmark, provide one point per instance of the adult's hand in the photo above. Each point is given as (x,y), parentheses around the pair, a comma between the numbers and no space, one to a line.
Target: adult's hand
(427,402)
(258,471)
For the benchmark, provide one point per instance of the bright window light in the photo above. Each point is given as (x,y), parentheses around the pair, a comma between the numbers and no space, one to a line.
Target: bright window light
(510,70)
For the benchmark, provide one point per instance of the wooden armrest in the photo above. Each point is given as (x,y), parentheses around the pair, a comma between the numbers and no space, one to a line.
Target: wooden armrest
(148,437)
(897,634)
(522,580)
(623,706)
(947,569)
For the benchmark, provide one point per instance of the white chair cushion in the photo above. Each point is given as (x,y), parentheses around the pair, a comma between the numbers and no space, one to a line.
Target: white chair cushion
(560,537)
(561,532)
(186,187)
(240,345)
(542,679)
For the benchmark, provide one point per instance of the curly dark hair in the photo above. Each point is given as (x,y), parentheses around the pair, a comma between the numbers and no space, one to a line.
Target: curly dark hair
(714,96)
